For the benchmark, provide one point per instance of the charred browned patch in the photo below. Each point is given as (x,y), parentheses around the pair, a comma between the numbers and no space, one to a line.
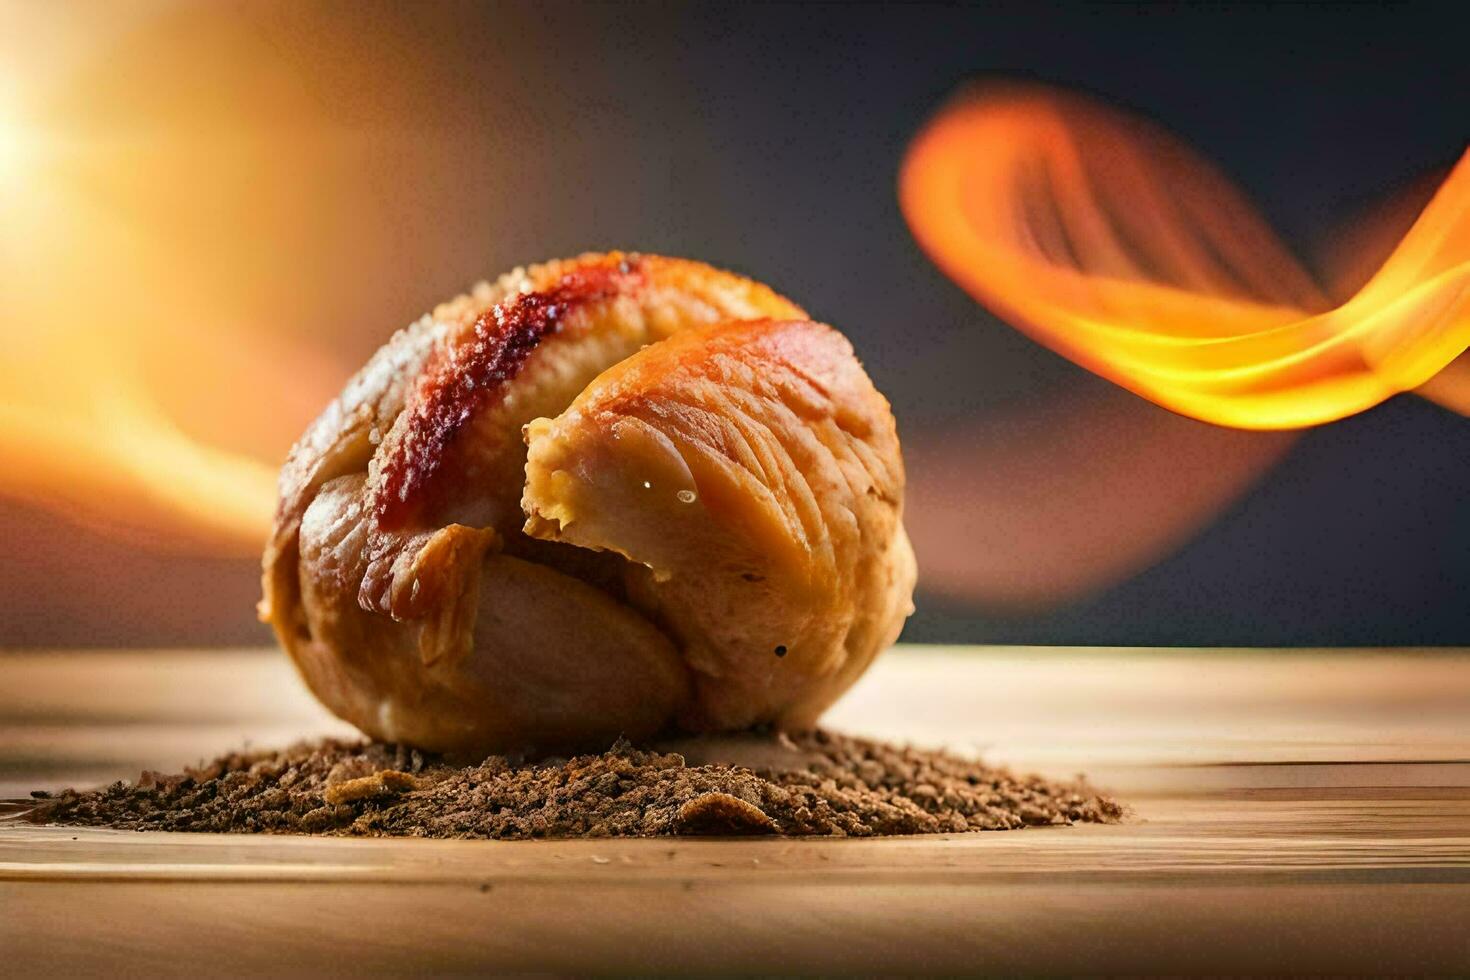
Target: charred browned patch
(475,372)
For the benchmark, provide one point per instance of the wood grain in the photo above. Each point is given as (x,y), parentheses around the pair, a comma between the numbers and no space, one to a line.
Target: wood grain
(1304,811)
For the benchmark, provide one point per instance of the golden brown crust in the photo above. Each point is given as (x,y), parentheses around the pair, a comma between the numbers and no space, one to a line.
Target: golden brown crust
(751,474)
(402,581)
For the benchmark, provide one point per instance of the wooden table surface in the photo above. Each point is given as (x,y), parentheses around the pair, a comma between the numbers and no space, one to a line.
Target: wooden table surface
(1301,811)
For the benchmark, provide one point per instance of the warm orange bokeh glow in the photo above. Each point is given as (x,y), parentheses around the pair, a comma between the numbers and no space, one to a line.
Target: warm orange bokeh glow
(1111,242)
(141,390)
(115,403)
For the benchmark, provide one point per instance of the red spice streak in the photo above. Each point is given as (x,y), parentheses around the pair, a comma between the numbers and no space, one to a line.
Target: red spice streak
(474,373)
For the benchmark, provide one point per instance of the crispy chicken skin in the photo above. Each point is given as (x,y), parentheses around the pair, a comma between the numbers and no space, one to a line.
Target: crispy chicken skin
(611,495)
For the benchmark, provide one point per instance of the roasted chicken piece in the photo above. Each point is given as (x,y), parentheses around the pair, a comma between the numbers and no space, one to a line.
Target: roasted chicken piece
(613,495)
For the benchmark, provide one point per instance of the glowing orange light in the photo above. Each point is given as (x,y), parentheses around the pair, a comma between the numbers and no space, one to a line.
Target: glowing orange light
(133,397)
(1111,242)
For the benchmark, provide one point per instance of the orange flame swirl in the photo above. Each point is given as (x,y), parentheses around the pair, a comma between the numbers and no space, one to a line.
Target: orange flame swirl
(1113,243)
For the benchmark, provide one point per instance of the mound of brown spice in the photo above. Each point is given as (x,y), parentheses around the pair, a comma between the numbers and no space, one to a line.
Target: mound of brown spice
(820,784)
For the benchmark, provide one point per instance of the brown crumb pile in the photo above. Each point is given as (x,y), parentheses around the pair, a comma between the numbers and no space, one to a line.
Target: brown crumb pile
(818,784)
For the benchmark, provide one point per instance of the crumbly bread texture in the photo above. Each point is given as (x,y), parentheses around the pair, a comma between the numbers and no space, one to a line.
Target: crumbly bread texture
(615,495)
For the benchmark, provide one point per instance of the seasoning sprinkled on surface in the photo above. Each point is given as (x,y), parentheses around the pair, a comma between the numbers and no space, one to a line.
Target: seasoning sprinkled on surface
(821,784)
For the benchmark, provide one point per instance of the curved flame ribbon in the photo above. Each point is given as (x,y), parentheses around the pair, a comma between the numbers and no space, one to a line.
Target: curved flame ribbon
(1112,242)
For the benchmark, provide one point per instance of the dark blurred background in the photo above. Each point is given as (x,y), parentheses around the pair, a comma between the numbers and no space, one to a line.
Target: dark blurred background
(317,175)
